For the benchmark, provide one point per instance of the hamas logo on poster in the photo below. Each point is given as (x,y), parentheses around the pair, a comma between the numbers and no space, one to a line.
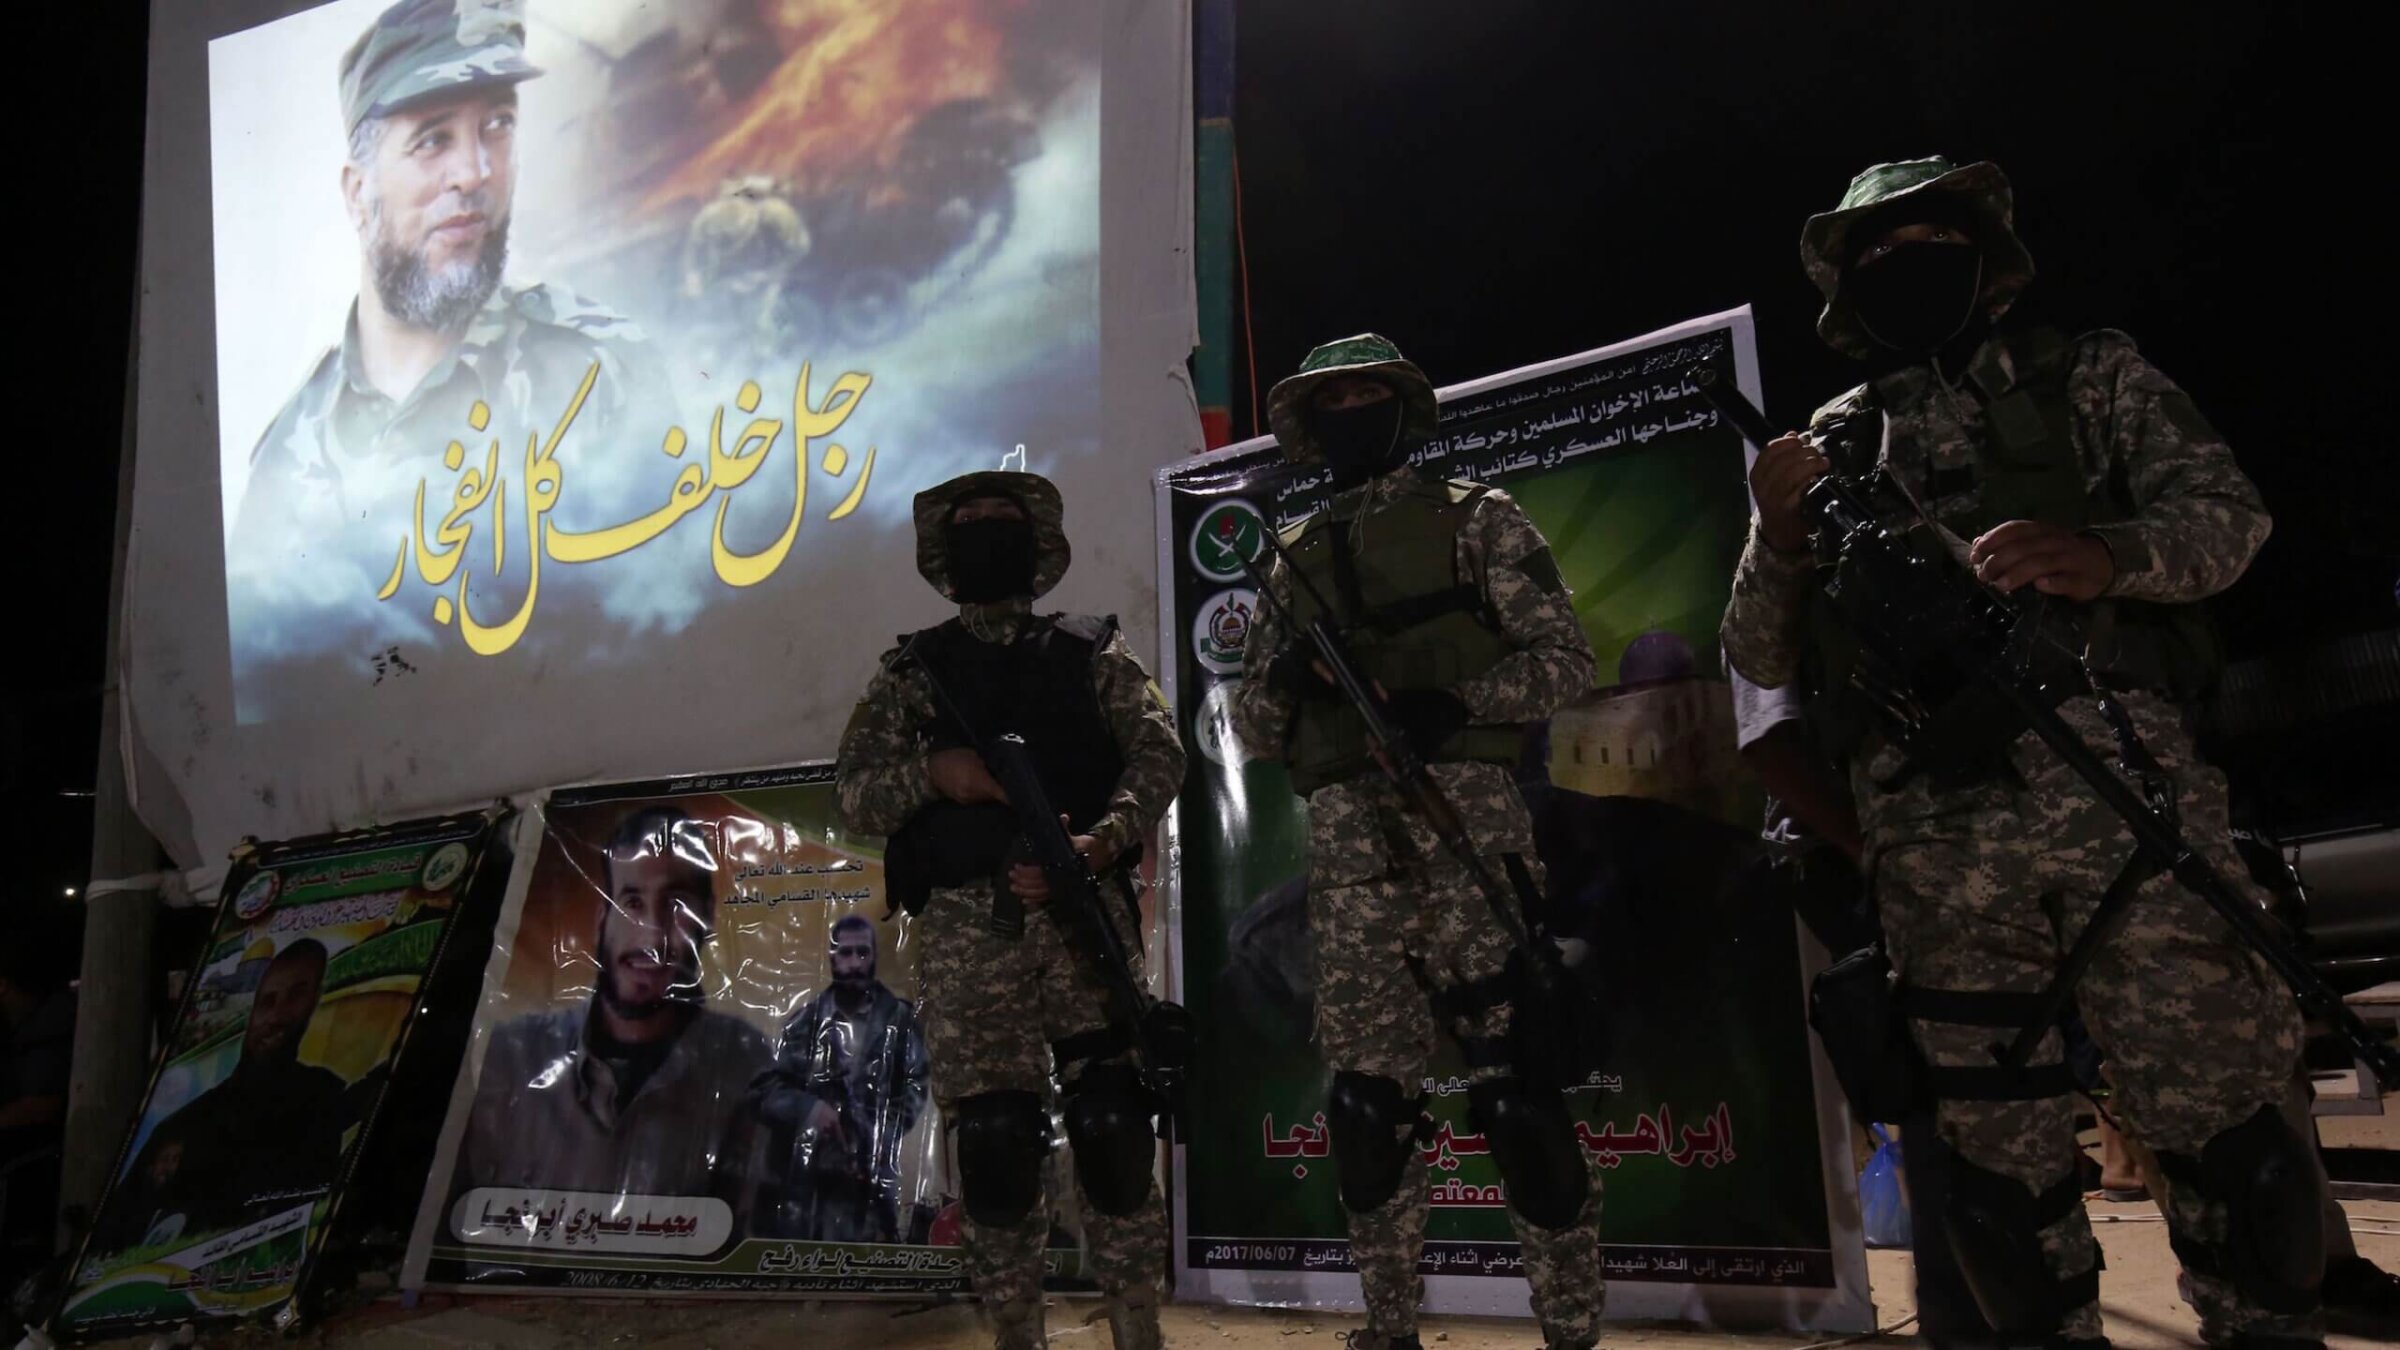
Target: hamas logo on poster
(1217,634)
(1227,533)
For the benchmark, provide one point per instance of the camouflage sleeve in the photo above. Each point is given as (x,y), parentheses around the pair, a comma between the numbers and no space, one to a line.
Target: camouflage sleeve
(1553,660)
(634,398)
(2197,519)
(1262,714)
(1153,753)
(1765,615)
(879,773)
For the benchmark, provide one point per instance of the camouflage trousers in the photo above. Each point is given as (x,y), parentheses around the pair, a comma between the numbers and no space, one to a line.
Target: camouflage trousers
(1386,944)
(1982,889)
(990,1009)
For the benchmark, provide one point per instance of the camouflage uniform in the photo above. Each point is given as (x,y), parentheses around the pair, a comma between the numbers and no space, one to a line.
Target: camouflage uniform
(1397,921)
(992,1009)
(341,453)
(1982,887)
(340,448)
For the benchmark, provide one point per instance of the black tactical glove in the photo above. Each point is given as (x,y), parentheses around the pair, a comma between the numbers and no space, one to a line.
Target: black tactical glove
(1428,717)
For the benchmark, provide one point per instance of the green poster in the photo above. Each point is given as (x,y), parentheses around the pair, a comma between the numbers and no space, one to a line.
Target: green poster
(1709,1121)
(271,1076)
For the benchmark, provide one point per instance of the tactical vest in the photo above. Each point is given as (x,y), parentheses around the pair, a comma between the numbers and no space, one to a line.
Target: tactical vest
(1410,621)
(1040,688)
(2029,469)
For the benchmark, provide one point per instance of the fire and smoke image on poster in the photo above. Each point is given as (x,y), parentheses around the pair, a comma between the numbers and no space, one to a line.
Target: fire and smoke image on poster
(698,1063)
(549,331)
(271,1074)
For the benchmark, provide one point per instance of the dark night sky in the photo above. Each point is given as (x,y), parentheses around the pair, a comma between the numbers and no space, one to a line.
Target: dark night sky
(77,201)
(1505,182)
(1501,182)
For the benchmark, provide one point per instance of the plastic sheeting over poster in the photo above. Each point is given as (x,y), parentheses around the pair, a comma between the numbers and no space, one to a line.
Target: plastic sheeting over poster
(1728,1195)
(697,1066)
(274,1069)
(464,416)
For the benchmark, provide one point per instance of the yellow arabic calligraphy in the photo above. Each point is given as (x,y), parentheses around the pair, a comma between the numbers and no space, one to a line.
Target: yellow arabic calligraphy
(736,569)
(439,553)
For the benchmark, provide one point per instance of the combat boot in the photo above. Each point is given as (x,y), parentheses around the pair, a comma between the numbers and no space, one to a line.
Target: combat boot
(1020,1324)
(1133,1319)
(1367,1338)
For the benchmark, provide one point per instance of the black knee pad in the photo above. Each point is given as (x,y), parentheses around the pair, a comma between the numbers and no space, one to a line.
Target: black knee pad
(1109,1116)
(1994,1224)
(1375,1126)
(1002,1139)
(2273,1189)
(1533,1140)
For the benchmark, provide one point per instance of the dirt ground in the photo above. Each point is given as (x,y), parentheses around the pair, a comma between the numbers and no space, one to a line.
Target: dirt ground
(2138,1298)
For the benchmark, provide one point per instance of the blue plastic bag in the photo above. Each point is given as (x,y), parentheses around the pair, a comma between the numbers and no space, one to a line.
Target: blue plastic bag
(1882,1199)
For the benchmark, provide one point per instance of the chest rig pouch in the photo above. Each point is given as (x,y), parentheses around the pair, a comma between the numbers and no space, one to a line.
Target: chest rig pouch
(1951,727)
(2028,467)
(2032,470)
(1039,687)
(1410,619)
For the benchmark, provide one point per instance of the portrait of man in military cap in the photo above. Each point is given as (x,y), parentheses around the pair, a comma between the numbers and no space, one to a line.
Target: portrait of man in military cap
(429,104)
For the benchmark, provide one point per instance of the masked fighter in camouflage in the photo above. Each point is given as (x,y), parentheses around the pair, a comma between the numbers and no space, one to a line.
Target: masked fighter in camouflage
(1000,1015)
(2073,471)
(1451,600)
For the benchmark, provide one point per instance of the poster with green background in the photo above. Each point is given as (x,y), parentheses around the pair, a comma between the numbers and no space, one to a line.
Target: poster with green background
(272,1075)
(1722,1144)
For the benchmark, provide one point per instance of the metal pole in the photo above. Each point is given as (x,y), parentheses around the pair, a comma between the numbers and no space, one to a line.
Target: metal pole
(112,1013)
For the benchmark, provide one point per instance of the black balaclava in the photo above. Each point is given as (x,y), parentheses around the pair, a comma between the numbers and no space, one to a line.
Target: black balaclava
(1917,297)
(1362,441)
(1922,294)
(990,559)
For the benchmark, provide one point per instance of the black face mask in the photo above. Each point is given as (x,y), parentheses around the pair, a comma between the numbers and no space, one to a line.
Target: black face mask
(1917,297)
(1359,442)
(990,559)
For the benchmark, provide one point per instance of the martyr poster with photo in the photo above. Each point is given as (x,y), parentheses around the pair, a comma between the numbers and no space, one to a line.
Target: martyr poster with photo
(273,1071)
(697,1065)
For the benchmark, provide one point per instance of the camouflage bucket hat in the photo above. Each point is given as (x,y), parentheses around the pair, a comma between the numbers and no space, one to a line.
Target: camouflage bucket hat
(1366,354)
(1826,244)
(420,49)
(1036,494)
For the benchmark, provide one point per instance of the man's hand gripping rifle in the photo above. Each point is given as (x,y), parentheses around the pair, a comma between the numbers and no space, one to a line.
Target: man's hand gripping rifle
(1915,611)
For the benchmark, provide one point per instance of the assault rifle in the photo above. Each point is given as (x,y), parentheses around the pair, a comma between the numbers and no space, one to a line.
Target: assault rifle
(1159,1032)
(1567,1006)
(1914,613)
